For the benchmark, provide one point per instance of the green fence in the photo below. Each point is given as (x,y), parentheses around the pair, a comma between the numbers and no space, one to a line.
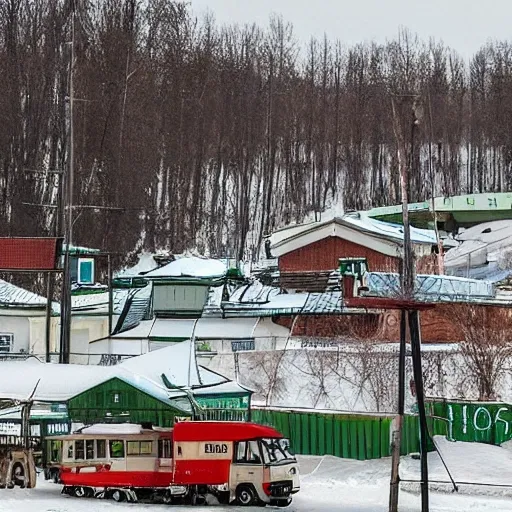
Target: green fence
(353,436)
(360,436)
(482,422)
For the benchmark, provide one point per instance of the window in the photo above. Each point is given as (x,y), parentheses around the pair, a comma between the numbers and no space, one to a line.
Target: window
(79,450)
(85,271)
(89,449)
(116,398)
(70,450)
(248,452)
(139,448)
(165,449)
(116,449)
(101,449)
(6,342)
(55,451)
(276,450)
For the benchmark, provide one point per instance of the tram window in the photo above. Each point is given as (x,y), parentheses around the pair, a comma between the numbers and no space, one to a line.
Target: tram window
(89,449)
(79,450)
(70,450)
(132,448)
(146,447)
(55,451)
(139,448)
(116,449)
(101,449)
(165,449)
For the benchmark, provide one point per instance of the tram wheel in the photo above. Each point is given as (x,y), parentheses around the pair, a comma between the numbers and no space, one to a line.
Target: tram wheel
(79,492)
(18,474)
(118,495)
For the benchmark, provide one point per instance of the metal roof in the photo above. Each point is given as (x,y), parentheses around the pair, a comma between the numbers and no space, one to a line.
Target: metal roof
(467,209)
(429,288)
(14,296)
(357,227)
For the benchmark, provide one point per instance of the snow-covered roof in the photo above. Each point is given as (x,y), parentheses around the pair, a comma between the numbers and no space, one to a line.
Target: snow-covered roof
(61,382)
(490,272)
(99,301)
(227,387)
(12,295)
(257,299)
(431,288)
(145,264)
(111,429)
(179,366)
(183,328)
(482,244)
(191,266)
(177,362)
(356,227)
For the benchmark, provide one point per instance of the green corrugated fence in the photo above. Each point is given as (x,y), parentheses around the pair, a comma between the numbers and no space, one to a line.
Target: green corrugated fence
(352,436)
(483,422)
(363,436)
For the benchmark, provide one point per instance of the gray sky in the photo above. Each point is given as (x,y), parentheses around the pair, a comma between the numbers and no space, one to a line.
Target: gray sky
(464,25)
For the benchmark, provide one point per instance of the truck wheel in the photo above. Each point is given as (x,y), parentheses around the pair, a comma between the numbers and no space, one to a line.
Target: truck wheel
(246,495)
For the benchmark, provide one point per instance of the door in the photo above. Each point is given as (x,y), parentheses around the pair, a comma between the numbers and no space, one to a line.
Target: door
(247,466)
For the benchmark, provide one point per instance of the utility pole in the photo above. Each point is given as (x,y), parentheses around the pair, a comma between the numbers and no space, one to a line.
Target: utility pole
(407,286)
(65,327)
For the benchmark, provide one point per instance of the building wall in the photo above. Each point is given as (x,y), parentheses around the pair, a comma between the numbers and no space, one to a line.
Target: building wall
(324,255)
(19,327)
(436,326)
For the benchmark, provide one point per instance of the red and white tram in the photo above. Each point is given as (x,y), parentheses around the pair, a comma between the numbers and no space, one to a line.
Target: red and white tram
(241,463)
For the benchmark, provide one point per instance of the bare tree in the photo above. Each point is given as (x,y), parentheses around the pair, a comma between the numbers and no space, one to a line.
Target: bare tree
(485,347)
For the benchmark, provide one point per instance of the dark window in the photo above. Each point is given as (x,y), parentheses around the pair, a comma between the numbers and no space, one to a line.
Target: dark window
(79,450)
(6,341)
(116,449)
(101,449)
(89,449)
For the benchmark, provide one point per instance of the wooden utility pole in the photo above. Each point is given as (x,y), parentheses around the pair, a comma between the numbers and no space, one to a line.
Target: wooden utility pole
(65,324)
(407,286)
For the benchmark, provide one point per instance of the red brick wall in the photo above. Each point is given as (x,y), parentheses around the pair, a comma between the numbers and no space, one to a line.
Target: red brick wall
(324,255)
(435,326)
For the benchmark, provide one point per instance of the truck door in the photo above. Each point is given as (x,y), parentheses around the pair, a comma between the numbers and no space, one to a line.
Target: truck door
(247,467)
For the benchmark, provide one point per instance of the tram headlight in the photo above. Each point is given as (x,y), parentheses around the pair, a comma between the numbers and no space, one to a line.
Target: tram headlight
(293,471)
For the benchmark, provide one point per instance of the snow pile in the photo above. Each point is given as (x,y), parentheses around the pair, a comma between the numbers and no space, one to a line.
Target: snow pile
(475,468)
(145,264)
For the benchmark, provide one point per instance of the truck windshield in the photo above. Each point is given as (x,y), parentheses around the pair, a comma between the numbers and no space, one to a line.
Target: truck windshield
(276,451)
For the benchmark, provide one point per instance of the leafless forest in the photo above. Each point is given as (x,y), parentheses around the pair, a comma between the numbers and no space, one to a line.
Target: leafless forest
(207,137)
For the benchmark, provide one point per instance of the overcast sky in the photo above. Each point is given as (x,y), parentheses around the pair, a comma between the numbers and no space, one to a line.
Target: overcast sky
(464,25)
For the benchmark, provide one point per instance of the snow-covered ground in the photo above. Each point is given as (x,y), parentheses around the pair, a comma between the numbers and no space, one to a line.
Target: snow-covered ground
(330,484)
